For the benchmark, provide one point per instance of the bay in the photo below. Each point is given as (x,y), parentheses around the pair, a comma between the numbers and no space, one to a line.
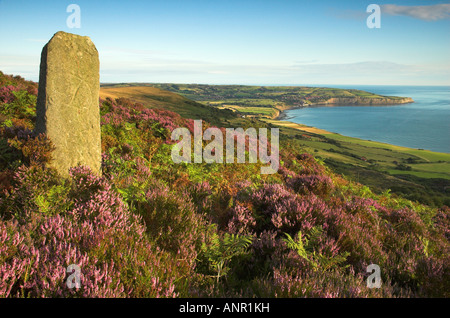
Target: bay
(424,124)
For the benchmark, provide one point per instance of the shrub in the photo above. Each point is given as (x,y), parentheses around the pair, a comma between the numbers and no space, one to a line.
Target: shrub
(95,231)
(149,228)
(311,184)
(171,220)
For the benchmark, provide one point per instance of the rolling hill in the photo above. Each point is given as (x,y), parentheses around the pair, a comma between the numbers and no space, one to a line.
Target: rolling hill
(417,175)
(163,99)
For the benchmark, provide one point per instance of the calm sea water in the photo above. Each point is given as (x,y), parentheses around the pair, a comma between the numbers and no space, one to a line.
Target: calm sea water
(424,124)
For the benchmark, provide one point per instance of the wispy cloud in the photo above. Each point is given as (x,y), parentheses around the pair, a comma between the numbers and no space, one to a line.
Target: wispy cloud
(428,13)
(306,62)
(368,72)
(365,67)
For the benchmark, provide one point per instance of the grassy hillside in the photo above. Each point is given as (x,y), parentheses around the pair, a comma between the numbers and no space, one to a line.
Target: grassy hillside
(268,101)
(416,174)
(151,228)
(162,99)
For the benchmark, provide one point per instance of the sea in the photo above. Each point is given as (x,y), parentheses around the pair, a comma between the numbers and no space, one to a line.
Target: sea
(424,124)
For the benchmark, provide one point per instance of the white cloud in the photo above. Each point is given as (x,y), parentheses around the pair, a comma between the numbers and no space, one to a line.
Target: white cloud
(358,67)
(428,13)
(367,72)
(144,68)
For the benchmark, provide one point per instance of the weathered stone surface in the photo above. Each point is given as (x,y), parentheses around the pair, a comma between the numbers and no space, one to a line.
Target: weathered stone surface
(68,101)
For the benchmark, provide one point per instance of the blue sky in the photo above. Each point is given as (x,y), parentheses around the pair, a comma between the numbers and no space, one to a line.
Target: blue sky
(240,42)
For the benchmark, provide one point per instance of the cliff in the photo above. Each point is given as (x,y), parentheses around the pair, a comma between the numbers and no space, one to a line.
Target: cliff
(347,101)
(363,101)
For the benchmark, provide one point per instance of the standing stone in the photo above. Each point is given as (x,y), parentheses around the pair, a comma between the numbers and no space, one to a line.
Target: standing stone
(68,101)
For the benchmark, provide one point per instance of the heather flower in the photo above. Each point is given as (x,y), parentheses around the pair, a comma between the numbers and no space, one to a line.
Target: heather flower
(442,221)
(141,229)
(95,233)
(306,184)
(6,93)
(171,220)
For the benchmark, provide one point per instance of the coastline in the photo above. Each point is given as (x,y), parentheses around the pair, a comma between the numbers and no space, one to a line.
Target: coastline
(332,103)
(310,129)
(283,121)
(281,118)
(370,154)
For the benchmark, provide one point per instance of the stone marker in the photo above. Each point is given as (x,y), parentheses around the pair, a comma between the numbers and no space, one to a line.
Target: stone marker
(68,101)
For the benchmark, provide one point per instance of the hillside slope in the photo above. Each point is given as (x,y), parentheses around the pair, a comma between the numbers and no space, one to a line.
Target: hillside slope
(166,100)
(371,164)
(149,227)
(280,97)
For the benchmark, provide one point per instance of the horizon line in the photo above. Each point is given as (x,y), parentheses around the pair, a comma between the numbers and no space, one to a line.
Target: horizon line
(273,85)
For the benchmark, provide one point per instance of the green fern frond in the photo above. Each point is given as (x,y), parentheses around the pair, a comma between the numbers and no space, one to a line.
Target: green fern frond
(305,247)
(297,245)
(218,252)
